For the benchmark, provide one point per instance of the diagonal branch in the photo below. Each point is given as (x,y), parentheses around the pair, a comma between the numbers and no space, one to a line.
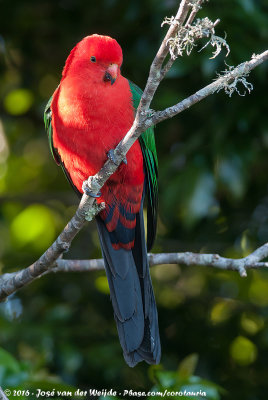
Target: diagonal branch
(197,36)
(88,208)
(223,82)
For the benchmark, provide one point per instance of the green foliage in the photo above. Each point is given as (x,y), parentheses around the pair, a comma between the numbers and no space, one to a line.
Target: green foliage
(19,377)
(243,351)
(181,383)
(18,101)
(40,227)
(213,198)
(184,381)
(174,382)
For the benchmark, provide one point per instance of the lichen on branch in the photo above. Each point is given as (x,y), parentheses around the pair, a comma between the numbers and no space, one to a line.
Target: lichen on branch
(219,43)
(231,77)
(185,38)
(196,4)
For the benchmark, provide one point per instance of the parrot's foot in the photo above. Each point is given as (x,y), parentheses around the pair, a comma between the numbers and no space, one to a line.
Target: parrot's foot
(94,210)
(111,156)
(88,192)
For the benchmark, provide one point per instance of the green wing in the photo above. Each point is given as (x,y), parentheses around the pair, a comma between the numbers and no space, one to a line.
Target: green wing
(56,156)
(147,142)
(48,126)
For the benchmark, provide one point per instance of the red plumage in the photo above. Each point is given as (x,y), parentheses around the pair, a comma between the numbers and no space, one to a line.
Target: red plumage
(90,112)
(90,117)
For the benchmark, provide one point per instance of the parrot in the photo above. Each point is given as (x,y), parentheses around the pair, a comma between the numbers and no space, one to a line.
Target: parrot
(90,111)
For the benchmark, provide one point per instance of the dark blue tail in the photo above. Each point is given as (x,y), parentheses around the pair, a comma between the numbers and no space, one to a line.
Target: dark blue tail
(132,296)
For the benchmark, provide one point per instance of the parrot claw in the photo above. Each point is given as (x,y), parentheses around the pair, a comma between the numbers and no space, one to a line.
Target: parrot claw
(88,192)
(111,156)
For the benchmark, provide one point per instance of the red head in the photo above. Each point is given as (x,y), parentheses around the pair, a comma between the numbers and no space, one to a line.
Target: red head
(97,56)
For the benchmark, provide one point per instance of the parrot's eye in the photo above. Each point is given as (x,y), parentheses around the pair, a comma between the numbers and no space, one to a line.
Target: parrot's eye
(93,59)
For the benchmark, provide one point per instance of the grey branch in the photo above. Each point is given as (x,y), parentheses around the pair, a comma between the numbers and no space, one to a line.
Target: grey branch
(252,261)
(2,394)
(241,265)
(88,208)
(223,82)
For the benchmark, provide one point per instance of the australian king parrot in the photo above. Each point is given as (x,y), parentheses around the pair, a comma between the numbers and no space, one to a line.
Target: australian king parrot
(91,110)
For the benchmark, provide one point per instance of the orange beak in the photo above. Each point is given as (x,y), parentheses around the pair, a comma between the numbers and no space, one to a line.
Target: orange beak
(111,73)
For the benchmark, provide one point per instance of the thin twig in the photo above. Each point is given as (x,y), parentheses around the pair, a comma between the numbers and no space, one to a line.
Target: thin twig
(155,78)
(220,83)
(194,11)
(170,62)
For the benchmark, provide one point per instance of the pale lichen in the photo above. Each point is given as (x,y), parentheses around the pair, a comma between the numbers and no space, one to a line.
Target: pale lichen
(231,77)
(94,210)
(218,42)
(186,36)
(196,4)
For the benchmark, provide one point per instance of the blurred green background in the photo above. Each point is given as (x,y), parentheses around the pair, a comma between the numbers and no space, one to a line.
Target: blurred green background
(213,198)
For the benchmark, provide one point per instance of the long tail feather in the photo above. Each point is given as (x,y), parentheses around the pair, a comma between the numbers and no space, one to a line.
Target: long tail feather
(132,296)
